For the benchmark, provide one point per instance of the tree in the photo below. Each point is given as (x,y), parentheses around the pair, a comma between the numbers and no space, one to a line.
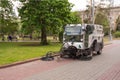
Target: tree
(118,23)
(45,14)
(7,21)
(9,27)
(102,19)
(75,18)
(5,10)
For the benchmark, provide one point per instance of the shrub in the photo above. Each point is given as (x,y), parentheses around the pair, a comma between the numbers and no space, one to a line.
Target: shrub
(106,31)
(117,34)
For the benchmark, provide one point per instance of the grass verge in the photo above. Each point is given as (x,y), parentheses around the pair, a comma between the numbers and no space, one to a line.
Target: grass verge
(11,52)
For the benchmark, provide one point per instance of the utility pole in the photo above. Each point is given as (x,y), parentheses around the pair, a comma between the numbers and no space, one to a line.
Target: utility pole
(92,11)
(110,18)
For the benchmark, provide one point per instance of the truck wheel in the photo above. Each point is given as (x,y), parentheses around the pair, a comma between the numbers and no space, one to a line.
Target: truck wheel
(90,56)
(99,52)
(61,56)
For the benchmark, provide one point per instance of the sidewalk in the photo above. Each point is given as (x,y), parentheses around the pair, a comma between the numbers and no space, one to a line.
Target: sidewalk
(19,72)
(112,73)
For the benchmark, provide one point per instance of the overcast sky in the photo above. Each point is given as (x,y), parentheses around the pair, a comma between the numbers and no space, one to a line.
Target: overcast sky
(81,4)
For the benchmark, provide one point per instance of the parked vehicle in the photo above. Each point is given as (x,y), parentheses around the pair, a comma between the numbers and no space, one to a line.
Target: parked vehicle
(82,40)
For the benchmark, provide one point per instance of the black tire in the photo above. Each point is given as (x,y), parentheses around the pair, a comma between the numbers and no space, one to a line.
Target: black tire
(62,53)
(99,52)
(61,56)
(102,44)
(90,56)
(94,45)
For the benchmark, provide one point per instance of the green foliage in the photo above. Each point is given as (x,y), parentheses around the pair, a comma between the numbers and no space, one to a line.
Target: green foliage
(75,18)
(118,23)
(5,8)
(117,34)
(102,20)
(45,15)
(7,24)
(9,27)
(35,35)
(106,31)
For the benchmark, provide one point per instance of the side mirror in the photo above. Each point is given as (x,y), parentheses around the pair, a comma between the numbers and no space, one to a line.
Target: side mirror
(89,29)
(81,40)
(83,29)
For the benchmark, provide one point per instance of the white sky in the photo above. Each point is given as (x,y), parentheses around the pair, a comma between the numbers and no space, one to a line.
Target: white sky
(81,4)
(78,4)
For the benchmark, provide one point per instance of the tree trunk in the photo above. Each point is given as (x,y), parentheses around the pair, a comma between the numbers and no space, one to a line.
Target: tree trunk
(43,36)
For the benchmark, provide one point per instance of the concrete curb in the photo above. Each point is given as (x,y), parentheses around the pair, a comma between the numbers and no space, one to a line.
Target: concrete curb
(20,62)
(108,43)
(29,60)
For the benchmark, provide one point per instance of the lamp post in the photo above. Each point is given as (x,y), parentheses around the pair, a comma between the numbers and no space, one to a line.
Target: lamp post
(110,24)
(93,11)
(110,18)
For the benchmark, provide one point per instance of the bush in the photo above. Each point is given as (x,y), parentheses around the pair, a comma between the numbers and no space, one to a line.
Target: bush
(117,34)
(106,31)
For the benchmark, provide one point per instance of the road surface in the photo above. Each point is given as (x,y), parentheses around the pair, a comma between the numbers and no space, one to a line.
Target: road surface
(102,67)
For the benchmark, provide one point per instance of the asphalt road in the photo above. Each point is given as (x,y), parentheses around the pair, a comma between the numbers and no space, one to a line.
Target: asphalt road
(102,67)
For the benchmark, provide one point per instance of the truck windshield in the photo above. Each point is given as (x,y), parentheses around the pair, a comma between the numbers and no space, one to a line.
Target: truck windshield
(73,38)
(73,30)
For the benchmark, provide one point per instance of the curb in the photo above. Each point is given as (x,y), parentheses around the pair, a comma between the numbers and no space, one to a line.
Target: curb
(18,63)
(29,60)
(108,44)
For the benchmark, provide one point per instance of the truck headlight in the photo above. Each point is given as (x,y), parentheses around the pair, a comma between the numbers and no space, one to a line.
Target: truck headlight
(81,40)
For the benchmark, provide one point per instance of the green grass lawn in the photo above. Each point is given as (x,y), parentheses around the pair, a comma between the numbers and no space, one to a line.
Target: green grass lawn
(12,51)
(107,39)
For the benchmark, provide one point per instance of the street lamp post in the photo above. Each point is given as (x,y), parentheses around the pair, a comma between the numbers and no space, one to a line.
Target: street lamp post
(110,24)
(93,11)
(110,18)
